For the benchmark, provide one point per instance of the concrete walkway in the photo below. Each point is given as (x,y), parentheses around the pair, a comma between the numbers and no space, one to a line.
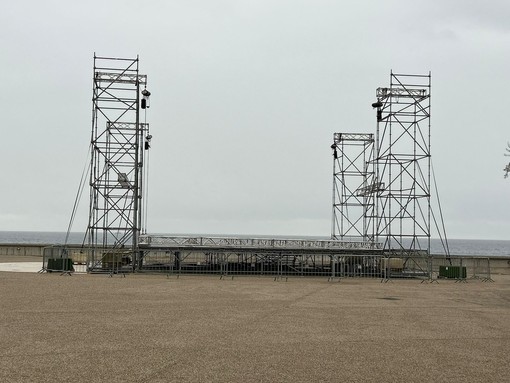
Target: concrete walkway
(21,267)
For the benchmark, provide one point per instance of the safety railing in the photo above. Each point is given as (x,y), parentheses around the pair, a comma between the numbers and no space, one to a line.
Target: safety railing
(279,264)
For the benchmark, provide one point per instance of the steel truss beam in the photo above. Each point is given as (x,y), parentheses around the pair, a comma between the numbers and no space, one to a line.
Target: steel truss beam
(251,244)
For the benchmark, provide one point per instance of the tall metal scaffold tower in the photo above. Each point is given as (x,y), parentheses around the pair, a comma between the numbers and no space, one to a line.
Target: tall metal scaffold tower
(118,141)
(403,164)
(354,186)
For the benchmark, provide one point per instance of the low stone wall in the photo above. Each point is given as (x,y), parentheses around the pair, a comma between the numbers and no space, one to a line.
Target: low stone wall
(500,265)
(13,249)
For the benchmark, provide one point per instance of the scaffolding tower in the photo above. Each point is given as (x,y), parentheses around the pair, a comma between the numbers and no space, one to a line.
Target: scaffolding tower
(354,187)
(403,164)
(118,141)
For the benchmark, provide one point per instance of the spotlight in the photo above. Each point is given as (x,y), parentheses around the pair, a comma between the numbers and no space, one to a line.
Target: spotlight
(145,100)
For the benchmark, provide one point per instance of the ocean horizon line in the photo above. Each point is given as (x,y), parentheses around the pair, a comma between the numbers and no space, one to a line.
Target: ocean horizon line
(282,236)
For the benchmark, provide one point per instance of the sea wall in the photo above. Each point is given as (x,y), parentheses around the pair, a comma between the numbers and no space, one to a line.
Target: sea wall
(500,265)
(14,249)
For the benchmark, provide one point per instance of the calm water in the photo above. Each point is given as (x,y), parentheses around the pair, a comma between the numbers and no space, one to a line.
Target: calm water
(457,246)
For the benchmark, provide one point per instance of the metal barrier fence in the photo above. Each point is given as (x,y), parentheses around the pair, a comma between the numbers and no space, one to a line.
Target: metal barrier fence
(272,263)
(281,265)
(64,259)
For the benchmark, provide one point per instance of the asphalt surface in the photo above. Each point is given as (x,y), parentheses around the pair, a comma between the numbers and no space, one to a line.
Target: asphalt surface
(150,328)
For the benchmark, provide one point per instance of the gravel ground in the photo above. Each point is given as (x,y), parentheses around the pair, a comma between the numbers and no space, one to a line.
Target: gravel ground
(150,328)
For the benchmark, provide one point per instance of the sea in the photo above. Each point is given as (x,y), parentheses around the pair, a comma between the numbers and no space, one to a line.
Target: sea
(470,247)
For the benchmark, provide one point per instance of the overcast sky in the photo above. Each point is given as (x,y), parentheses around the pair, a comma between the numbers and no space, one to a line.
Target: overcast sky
(246,96)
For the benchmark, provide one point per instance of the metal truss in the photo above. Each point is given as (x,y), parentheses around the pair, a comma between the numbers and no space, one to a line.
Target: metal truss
(117,160)
(251,244)
(403,164)
(354,187)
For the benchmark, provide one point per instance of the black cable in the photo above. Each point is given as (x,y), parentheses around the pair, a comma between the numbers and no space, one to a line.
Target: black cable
(445,245)
(81,187)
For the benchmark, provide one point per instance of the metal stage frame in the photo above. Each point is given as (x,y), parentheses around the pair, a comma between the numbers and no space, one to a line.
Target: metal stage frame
(354,186)
(118,141)
(381,193)
(278,257)
(381,186)
(403,164)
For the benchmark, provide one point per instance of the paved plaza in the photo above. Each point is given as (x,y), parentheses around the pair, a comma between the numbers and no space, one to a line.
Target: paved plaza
(151,328)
